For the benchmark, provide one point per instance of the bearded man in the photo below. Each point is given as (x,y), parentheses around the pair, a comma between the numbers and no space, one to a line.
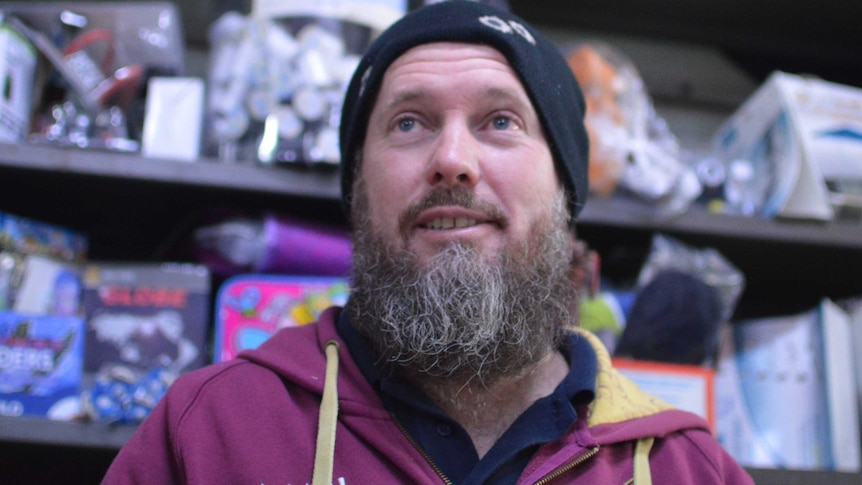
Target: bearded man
(457,358)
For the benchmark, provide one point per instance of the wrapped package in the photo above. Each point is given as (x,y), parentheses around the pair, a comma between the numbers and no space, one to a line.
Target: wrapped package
(631,147)
(277,78)
(274,244)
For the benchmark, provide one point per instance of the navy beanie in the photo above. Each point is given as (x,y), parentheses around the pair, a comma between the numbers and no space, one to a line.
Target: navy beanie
(541,67)
(675,318)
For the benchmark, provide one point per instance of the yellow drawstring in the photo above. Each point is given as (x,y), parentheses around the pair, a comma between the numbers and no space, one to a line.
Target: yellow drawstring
(324,456)
(643,476)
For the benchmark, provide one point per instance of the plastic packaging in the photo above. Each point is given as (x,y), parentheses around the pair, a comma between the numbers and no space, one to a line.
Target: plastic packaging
(99,56)
(277,78)
(631,147)
(708,264)
(682,297)
(274,244)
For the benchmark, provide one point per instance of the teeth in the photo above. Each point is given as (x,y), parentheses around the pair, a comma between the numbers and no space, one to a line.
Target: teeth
(451,222)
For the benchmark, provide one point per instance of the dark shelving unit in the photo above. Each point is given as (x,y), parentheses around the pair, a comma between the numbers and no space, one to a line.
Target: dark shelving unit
(92,183)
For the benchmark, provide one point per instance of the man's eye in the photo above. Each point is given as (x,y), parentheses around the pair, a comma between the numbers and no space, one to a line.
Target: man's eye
(502,123)
(406,124)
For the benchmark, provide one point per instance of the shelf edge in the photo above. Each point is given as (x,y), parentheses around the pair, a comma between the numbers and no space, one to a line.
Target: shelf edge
(64,433)
(205,172)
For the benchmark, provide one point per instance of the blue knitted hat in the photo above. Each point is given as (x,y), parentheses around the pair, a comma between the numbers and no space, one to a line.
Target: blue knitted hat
(541,67)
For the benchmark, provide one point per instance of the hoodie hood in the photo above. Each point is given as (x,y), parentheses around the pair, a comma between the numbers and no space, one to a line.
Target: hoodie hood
(623,412)
(305,367)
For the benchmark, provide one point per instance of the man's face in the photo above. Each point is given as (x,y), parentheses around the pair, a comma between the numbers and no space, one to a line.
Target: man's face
(454,152)
(462,258)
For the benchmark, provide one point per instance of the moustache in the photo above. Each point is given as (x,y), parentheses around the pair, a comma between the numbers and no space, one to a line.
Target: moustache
(457,196)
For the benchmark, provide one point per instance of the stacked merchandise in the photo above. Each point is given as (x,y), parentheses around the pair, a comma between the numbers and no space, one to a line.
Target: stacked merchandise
(786,391)
(277,77)
(41,326)
(147,323)
(88,340)
(633,153)
(79,74)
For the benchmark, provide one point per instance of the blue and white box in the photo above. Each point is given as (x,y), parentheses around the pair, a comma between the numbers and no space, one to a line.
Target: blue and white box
(41,365)
(785,392)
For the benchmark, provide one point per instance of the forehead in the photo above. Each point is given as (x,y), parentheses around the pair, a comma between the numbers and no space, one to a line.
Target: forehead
(442,51)
(450,58)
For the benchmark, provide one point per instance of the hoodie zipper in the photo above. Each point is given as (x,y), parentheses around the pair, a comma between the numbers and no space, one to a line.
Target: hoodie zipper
(418,448)
(568,467)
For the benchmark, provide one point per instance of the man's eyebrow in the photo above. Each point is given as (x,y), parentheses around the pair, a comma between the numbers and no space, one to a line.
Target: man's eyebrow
(406,96)
(508,95)
(517,99)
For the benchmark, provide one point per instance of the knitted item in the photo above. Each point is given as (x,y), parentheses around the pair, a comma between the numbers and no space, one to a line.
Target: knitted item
(675,319)
(539,64)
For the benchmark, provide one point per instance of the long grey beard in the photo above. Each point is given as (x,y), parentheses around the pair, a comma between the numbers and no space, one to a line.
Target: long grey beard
(460,317)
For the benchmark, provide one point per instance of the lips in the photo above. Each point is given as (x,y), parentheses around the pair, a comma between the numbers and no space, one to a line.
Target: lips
(447,210)
(450,217)
(443,223)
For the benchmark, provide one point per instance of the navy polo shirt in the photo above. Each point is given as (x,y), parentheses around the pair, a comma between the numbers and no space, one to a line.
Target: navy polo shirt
(448,444)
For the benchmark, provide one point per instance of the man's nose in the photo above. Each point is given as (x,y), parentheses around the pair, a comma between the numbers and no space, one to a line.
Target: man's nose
(455,158)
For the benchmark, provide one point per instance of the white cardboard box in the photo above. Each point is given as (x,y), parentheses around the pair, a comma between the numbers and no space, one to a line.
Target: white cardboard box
(174,118)
(804,132)
(786,392)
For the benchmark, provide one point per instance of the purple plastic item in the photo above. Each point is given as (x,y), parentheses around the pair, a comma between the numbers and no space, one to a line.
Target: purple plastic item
(304,248)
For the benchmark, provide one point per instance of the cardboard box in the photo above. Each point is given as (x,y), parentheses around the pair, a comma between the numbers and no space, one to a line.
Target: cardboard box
(41,362)
(688,387)
(48,287)
(801,136)
(146,316)
(250,308)
(28,236)
(785,392)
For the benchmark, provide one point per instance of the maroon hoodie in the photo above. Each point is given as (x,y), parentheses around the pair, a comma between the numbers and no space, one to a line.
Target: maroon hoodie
(253,420)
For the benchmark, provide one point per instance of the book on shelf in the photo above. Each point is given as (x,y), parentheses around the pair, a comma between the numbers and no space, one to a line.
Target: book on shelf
(786,391)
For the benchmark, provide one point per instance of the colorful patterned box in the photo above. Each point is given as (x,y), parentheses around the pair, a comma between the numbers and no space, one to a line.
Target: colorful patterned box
(250,308)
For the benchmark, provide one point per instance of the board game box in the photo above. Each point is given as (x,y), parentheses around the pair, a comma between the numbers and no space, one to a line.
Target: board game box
(40,364)
(146,315)
(250,308)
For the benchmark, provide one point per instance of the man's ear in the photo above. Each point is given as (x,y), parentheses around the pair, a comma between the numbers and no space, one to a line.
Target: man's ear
(586,268)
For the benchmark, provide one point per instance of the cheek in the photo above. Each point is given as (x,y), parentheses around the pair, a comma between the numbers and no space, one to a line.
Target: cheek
(388,195)
(528,188)
(384,204)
